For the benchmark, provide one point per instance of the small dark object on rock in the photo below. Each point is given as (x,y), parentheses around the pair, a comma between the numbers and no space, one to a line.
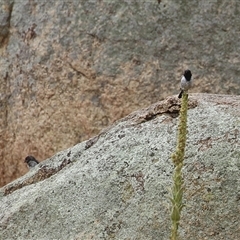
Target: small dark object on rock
(31,161)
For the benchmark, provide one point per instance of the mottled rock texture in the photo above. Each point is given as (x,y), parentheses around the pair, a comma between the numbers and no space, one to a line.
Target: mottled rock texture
(70,68)
(116,185)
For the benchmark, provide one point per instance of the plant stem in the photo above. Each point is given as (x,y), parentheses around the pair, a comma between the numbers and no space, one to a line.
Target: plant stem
(177,158)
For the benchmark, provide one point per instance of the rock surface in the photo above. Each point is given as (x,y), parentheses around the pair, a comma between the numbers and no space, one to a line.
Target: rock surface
(116,185)
(70,68)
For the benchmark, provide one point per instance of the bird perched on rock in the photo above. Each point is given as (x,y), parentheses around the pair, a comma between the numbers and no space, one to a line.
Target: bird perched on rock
(31,161)
(186,82)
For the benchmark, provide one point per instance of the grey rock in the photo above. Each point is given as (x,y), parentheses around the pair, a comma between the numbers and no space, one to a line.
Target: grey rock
(102,60)
(116,185)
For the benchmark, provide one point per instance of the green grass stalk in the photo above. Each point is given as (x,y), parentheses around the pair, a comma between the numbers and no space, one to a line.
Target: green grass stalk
(177,158)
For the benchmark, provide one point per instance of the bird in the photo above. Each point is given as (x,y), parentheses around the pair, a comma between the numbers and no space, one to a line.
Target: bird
(31,161)
(186,82)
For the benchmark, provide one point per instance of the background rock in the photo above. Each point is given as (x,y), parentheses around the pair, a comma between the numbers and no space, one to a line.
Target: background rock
(68,69)
(117,187)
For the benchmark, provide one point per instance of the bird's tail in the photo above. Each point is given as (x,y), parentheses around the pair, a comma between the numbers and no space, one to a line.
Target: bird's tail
(180,94)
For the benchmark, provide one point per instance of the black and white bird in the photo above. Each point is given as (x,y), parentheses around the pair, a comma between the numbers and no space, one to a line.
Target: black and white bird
(186,82)
(31,161)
